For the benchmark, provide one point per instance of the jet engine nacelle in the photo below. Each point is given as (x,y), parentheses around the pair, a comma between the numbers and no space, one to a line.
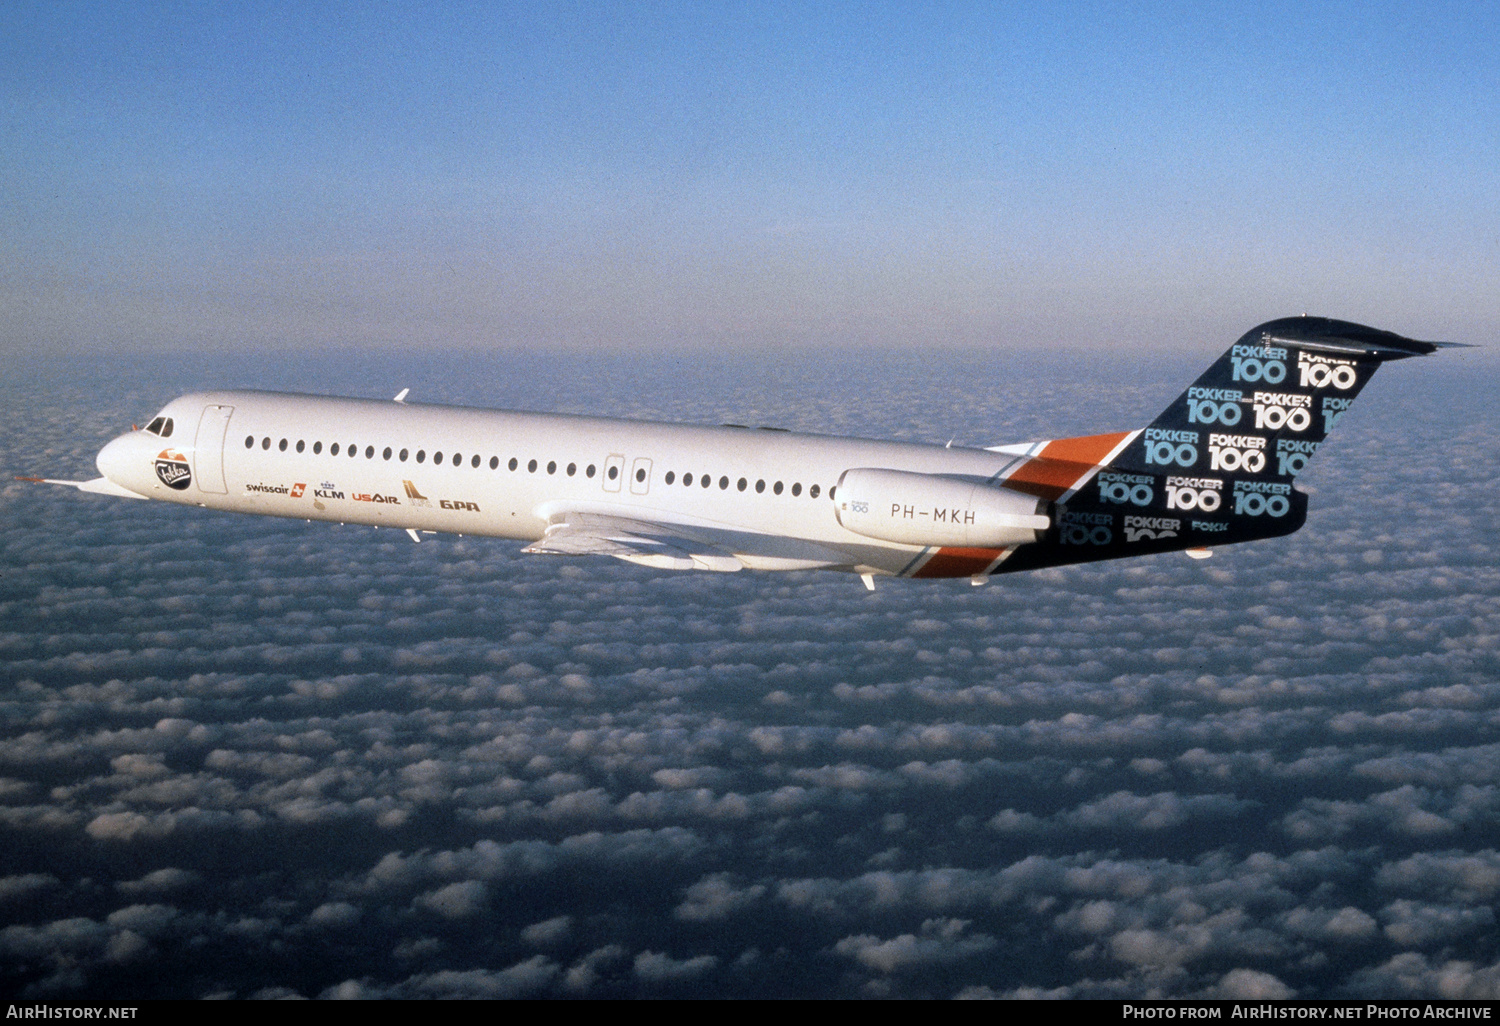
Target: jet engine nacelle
(933,509)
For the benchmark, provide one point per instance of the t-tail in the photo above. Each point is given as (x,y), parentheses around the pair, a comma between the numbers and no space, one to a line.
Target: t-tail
(1218,466)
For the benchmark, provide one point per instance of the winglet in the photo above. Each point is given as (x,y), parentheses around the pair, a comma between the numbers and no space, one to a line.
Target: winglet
(401,395)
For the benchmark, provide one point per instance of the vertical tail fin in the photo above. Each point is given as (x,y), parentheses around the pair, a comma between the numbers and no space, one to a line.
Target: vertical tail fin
(1217,465)
(1263,408)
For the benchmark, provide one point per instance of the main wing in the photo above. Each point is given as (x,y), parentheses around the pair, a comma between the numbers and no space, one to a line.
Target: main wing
(671,546)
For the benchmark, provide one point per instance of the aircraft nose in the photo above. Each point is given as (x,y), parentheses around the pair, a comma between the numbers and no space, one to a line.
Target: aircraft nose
(119,460)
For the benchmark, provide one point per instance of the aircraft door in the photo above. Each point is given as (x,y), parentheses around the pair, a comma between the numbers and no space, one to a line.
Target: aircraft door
(640,476)
(614,470)
(208,449)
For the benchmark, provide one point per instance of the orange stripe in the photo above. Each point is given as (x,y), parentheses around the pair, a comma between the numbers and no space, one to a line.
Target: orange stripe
(1061,463)
(948,562)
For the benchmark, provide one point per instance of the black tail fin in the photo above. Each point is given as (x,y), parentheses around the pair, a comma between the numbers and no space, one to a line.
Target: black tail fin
(1217,466)
(1266,405)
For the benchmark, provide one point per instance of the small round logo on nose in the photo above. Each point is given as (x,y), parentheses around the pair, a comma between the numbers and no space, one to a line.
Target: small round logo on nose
(172,469)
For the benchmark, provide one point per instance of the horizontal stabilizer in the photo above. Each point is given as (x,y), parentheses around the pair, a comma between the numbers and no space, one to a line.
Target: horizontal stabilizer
(1326,335)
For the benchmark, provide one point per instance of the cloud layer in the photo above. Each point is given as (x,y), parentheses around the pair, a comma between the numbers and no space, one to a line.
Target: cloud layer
(264,758)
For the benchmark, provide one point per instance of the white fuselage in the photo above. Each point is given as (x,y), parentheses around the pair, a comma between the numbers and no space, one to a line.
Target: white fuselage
(508,474)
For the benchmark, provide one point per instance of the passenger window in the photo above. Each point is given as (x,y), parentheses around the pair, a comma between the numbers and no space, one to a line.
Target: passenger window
(797,488)
(686,479)
(494,462)
(249,441)
(742,483)
(317,448)
(640,475)
(531,467)
(723,484)
(353,450)
(760,486)
(301,445)
(265,443)
(281,445)
(512,464)
(421,455)
(551,466)
(386,454)
(706,480)
(572,469)
(474,463)
(776,488)
(831,491)
(813,491)
(401,455)
(614,472)
(437,457)
(589,472)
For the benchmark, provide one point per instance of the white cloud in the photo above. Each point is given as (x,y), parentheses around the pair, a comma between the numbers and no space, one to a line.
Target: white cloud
(940,940)
(716,897)
(1249,985)
(548,932)
(520,980)
(659,967)
(335,915)
(457,900)
(24,884)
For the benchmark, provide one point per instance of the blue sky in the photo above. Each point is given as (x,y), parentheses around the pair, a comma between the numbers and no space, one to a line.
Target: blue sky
(640,177)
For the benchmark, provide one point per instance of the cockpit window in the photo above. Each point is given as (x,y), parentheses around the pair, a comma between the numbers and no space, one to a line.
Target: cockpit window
(156,425)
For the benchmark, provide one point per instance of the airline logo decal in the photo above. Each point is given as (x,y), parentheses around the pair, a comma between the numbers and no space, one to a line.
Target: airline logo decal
(1258,363)
(1086,528)
(1121,488)
(1333,409)
(1166,447)
(1149,528)
(1262,498)
(1292,455)
(294,492)
(1275,410)
(1233,453)
(1214,405)
(172,470)
(416,497)
(1315,371)
(1188,493)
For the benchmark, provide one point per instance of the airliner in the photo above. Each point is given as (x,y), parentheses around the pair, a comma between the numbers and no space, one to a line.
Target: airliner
(1217,467)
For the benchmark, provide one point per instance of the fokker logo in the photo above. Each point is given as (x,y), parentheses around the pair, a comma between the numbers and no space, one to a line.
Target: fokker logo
(416,497)
(172,469)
